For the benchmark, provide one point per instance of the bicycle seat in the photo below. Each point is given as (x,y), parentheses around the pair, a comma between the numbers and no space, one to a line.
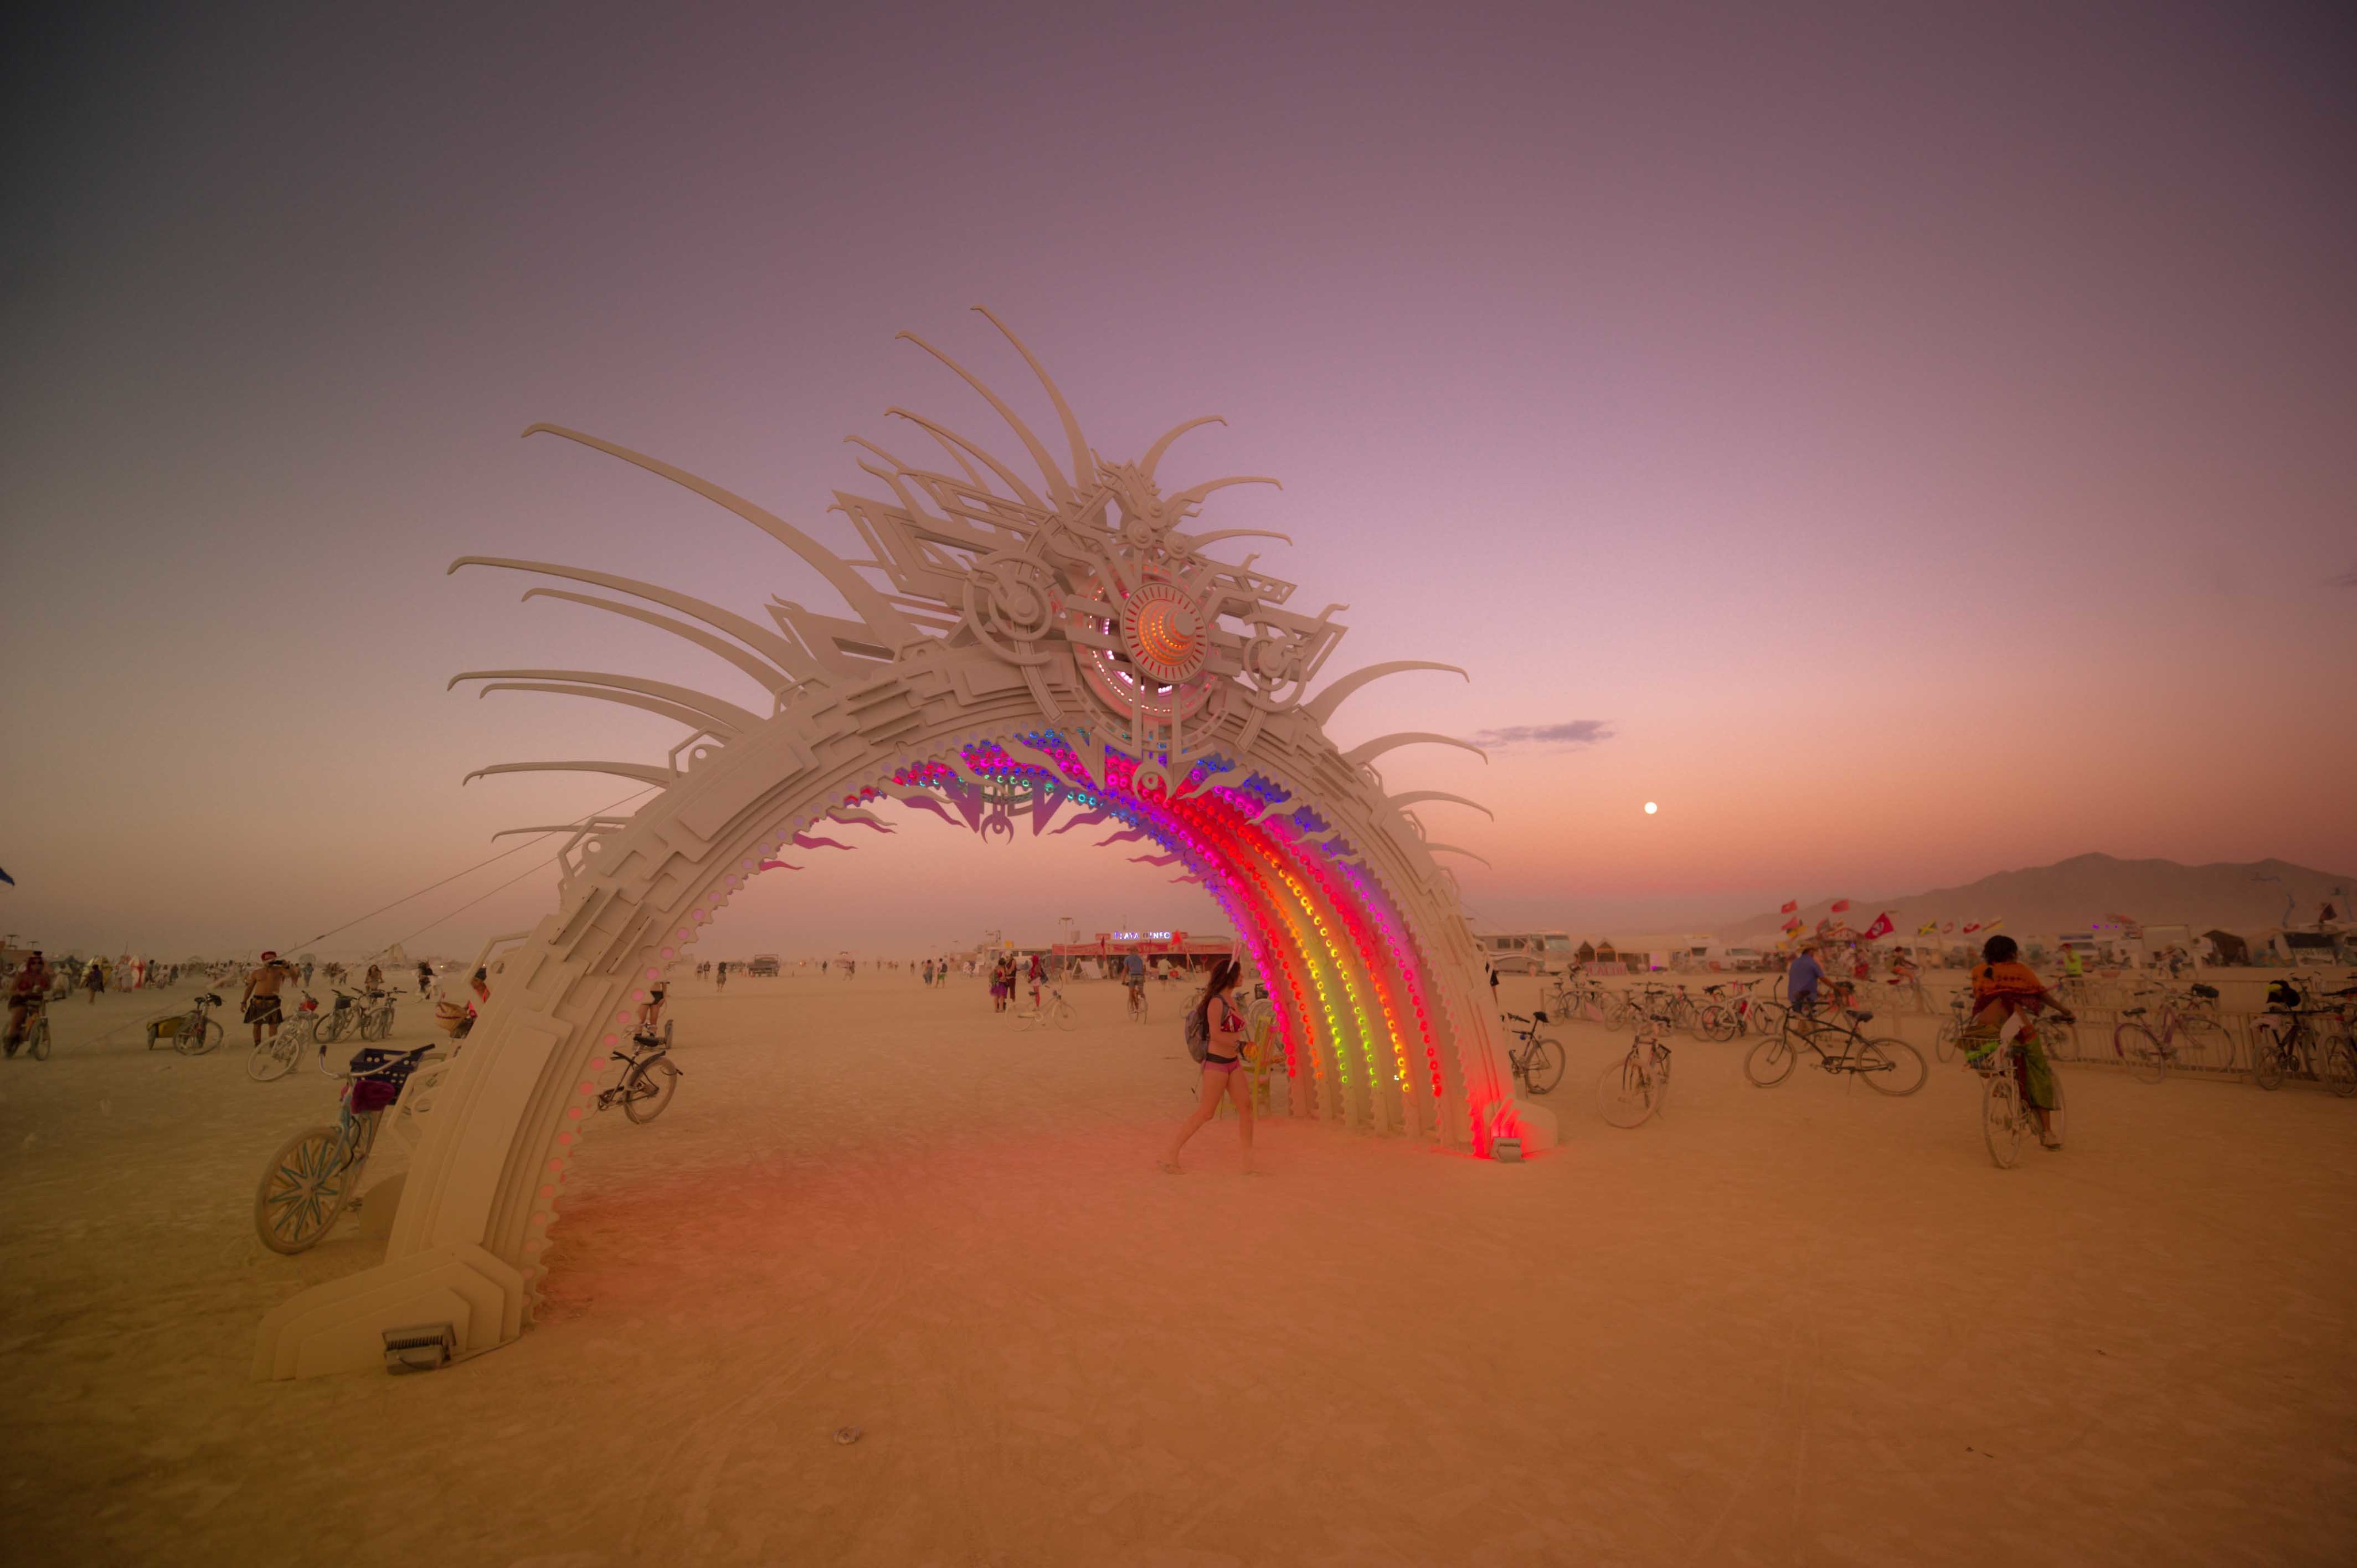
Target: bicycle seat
(210,998)
(2134,1012)
(1857,1016)
(2209,991)
(1538,1017)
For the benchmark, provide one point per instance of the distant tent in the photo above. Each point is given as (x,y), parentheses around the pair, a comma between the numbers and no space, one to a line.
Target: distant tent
(1586,953)
(1603,953)
(2232,948)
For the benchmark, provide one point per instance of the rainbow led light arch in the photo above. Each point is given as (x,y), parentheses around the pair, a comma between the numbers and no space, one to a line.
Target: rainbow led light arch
(1050,641)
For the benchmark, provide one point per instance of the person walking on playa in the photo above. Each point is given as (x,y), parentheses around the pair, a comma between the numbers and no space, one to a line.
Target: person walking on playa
(2004,988)
(1222,1028)
(93,979)
(425,977)
(261,1001)
(1801,981)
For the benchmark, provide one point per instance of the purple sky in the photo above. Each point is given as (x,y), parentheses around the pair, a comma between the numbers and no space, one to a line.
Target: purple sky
(1922,441)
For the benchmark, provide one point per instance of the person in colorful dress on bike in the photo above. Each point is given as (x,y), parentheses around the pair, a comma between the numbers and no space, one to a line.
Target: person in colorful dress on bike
(25,994)
(2004,988)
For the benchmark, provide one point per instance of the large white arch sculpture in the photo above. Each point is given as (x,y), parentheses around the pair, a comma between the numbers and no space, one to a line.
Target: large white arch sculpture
(1009,651)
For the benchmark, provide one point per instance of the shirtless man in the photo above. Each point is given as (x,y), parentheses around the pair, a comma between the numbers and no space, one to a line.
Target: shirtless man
(261,1000)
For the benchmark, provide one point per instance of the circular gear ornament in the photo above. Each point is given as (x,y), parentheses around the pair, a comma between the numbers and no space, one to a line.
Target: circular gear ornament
(1163,631)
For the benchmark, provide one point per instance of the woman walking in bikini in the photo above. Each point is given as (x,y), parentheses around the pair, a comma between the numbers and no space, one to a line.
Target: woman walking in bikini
(1223,1034)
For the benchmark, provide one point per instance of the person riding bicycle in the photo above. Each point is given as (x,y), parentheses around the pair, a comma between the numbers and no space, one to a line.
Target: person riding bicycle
(650,1010)
(1903,973)
(1133,967)
(2003,988)
(25,996)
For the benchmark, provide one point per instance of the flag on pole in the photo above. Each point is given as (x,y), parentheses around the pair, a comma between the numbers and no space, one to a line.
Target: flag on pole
(1841,905)
(1794,924)
(1790,908)
(1992,924)
(1881,927)
(1928,928)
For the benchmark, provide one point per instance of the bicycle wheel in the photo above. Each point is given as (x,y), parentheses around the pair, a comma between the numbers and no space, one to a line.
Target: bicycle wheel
(2340,1067)
(1624,1093)
(1943,1043)
(2060,1040)
(367,1026)
(1891,1067)
(2001,1119)
(302,1189)
(275,1059)
(1770,1062)
(2266,1062)
(1617,1013)
(37,1042)
(200,1041)
(1719,1023)
(2139,1051)
(649,1091)
(328,1027)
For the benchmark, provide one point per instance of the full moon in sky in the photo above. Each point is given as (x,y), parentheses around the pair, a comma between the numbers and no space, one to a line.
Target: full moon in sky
(1650,807)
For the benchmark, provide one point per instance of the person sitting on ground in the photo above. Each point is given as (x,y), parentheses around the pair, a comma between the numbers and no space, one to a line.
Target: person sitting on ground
(261,1001)
(1223,1033)
(2003,988)
(25,996)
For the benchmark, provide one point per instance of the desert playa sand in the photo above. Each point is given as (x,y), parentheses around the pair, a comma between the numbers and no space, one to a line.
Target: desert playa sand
(1798,1326)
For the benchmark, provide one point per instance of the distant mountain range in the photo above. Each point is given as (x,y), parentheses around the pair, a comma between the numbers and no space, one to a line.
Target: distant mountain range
(2070,895)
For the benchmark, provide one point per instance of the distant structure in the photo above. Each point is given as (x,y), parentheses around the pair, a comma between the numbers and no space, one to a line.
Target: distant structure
(1016,647)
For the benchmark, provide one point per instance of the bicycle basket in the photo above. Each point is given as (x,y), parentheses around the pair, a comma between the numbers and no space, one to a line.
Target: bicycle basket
(388,1070)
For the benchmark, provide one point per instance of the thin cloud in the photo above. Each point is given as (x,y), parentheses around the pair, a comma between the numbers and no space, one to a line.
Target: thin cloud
(1571,732)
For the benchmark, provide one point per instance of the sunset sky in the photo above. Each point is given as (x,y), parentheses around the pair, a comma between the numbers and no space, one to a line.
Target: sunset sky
(1919,441)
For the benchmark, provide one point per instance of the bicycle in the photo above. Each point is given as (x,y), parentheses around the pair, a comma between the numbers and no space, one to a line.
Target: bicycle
(2148,1053)
(2006,1111)
(1053,1009)
(1137,1003)
(35,1040)
(1721,1014)
(648,1081)
(2285,1044)
(1632,1090)
(193,1033)
(367,1019)
(1888,1066)
(313,1176)
(1539,1061)
(274,1056)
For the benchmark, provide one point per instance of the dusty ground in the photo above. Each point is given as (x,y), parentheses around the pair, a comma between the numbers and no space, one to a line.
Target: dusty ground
(1805,1324)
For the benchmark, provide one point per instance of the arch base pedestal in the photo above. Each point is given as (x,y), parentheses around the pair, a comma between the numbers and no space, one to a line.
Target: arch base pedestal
(339,1326)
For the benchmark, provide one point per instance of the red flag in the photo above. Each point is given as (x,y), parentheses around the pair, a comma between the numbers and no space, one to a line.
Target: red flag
(1881,927)
(1794,924)
(1971,925)
(1790,908)
(1840,904)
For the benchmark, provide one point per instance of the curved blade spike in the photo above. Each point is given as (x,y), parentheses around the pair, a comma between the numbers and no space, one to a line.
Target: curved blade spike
(856,814)
(1058,486)
(1132,836)
(778,865)
(863,441)
(720,712)
(1376,747)
(813,840)
(973,474)
(1452,849)
(1197,541)
(1084,462)
(1088,820)
(777,686)
(1189,497)
(659,776)
(673,711)
(1321,706)
(948,437)
(1154,859)
(1402,802)
(792,662)
(889,626)
(1153,457)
